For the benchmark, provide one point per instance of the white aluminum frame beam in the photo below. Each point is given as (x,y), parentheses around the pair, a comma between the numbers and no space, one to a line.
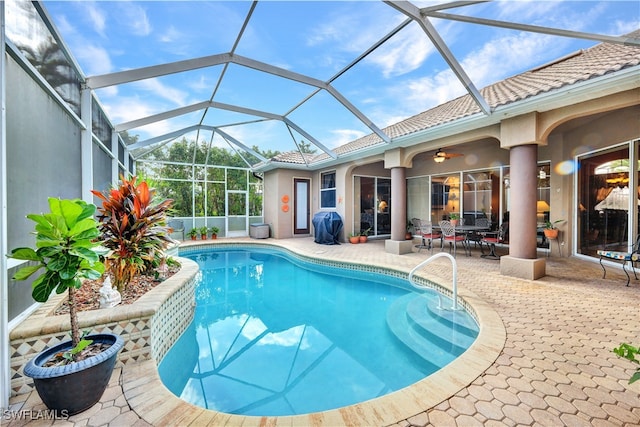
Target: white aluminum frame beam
(206,104)
(122,77)
(177,133)
(628,41)
(5,364)
(414,13)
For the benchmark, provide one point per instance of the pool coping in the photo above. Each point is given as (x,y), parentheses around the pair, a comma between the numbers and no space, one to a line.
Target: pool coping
(154,403)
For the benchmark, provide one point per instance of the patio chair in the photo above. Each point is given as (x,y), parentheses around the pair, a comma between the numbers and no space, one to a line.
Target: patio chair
(493,238)
(424,229)
(630,257)
(449,235)
(176,226)
(476,236)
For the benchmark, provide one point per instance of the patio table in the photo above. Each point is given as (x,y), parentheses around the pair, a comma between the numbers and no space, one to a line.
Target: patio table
(465,230)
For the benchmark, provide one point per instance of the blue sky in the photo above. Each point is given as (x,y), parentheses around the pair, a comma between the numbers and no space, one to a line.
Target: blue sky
(403,77)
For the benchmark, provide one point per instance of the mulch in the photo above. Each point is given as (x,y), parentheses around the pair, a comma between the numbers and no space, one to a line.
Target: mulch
(88,296)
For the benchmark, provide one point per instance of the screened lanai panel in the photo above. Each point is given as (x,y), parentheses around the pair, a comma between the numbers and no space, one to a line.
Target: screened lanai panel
(326,130)
(42,142)
(100,125)
(101,170)
(328,47)
(27,31)
(261,91)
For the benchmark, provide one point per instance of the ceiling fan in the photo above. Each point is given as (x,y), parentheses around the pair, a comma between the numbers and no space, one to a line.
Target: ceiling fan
(440,156)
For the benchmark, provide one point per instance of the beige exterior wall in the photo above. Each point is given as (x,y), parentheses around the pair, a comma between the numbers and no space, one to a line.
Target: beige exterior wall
(561,134)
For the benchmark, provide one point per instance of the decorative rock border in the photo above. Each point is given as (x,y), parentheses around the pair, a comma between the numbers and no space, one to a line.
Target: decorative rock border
(149,326)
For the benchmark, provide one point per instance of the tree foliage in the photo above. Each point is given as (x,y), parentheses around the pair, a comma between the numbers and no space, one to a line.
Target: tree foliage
(196,177)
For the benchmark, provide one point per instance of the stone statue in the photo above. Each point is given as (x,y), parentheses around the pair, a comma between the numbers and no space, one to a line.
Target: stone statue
(109,297)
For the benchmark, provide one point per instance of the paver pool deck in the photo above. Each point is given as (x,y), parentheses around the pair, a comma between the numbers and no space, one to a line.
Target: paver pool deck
(555,366)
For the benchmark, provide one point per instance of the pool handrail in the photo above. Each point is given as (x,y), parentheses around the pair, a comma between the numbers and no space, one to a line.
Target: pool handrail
(454,266)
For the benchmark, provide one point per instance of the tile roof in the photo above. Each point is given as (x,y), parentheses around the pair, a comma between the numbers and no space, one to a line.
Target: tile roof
(583,65)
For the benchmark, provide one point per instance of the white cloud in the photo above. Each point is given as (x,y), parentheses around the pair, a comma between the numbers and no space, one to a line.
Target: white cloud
(343,136)
(96,57)
(404,53)
(97,18)
(621,27)
(176,96)
(135,17)
(171,35)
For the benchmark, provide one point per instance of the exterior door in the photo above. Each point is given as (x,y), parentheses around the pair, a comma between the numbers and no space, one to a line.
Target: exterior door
(237,214)
(301,206)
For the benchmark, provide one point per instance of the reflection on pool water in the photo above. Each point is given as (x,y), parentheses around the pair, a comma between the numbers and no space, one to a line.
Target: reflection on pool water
(273,335)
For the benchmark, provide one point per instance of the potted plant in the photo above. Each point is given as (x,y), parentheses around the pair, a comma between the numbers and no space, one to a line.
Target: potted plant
(550,230)
(454,218)
(214,232)
(354,238)
(203,232)
(193,233)
(364,235)
(408,235)
(71,376)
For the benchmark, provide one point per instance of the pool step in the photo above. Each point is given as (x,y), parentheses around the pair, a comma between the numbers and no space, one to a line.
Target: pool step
(435,335)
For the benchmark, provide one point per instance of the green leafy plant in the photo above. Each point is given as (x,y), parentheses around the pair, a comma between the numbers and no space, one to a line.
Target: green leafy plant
(630,352)
(67,250)
(133,229)
(454,215)
(204,230)
(214,230)
(366,232)
(193,233)
(552,225)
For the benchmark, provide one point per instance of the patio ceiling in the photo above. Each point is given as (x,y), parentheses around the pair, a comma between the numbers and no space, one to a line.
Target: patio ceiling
(226,113)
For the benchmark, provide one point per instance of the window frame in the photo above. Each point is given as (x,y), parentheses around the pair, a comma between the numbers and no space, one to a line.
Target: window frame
(324,190)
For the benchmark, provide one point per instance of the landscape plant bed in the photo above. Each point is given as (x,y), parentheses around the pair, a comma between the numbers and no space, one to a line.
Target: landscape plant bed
(88,296)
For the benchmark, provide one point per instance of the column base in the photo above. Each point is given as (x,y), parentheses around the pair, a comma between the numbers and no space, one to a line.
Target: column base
(531,269)
(398,247)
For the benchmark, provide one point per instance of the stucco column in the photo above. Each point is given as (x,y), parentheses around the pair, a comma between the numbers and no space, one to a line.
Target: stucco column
(522,260)
(398,203)
(522,217)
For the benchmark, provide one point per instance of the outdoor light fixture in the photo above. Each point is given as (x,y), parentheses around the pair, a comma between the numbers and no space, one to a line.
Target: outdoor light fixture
(439,159)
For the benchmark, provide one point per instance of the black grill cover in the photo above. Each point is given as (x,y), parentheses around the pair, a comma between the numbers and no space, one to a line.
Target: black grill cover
(327,226)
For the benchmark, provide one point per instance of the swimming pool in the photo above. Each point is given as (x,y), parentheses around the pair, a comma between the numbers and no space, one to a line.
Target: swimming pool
(273,335)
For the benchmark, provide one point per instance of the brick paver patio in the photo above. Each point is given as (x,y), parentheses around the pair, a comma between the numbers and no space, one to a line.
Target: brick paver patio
(556,367)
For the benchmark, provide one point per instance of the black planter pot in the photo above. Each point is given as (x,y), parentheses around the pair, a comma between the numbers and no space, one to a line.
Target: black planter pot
(77,386)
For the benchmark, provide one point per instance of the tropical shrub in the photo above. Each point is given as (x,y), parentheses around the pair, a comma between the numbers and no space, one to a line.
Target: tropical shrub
(133,228)
(67,250)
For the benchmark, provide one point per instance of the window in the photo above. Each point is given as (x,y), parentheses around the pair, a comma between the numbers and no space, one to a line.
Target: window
(328,190)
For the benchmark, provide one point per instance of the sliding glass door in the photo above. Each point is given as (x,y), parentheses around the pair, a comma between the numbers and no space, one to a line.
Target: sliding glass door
(372,205)
(607,200)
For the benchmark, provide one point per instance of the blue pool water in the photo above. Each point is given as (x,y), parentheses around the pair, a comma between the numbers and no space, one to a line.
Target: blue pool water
(273,335)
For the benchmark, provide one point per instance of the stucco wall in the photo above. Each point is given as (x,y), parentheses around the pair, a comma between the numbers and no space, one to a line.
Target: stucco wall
(278,184)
